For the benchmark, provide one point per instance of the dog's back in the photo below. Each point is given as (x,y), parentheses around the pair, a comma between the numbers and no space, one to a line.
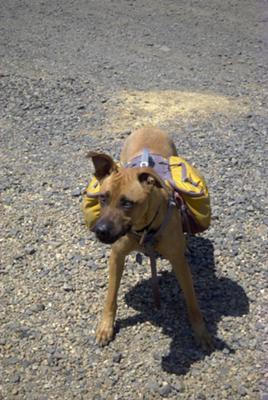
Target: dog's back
(155,140)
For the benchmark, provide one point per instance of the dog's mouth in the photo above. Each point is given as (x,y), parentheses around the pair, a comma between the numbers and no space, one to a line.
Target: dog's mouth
(109,240)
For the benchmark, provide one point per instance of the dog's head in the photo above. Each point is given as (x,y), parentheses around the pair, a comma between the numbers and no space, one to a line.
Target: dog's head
(129,197)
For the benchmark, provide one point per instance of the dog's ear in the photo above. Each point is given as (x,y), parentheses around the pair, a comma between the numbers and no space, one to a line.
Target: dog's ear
(104,165)
(150,178)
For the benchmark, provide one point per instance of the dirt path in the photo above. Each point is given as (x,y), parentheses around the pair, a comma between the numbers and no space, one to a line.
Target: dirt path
(80,75)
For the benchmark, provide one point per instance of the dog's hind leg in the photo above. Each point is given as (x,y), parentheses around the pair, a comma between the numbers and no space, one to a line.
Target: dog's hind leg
(119,252)
(184,277)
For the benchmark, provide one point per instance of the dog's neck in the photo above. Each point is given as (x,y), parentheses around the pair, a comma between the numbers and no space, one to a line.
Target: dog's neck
(155,218)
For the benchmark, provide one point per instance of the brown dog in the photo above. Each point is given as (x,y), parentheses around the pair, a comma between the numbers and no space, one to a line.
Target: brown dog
(133,202)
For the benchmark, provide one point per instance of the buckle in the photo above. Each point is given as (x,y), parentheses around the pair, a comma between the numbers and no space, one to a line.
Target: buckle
(144,158)
(144,164)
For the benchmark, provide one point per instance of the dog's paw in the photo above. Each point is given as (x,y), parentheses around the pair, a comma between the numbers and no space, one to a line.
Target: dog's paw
(203,338)
(104,333)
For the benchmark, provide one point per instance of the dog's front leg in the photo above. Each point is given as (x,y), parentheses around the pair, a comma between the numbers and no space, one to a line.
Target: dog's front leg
(119,252)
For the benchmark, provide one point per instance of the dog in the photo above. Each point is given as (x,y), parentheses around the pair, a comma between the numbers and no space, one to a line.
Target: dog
(135,203)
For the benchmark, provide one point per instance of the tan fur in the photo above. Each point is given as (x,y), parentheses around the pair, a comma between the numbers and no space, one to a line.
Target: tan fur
(149,197)
(152,138)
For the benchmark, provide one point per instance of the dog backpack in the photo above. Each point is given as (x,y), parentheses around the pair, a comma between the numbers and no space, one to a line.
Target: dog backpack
(90,203)
(190,192)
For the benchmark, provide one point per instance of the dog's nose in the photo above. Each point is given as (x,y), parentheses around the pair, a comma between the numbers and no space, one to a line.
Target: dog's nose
(102,231)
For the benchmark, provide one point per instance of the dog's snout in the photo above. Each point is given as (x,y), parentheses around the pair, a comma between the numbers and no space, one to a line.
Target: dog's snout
(102,231)
(108,232)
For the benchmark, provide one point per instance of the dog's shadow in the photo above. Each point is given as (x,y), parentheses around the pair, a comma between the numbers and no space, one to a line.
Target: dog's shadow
(217,297)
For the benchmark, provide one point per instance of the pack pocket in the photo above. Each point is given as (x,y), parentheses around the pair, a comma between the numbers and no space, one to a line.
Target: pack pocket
(192,188)
(90,203)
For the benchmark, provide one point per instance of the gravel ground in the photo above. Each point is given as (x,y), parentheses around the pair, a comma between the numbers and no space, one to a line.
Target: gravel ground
(80,75)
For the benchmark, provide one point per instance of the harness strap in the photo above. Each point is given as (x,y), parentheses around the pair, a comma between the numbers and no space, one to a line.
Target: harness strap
(171,205)
(144,158)
(185,217)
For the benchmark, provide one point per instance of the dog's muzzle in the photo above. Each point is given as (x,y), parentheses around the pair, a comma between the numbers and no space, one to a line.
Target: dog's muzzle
(107,233)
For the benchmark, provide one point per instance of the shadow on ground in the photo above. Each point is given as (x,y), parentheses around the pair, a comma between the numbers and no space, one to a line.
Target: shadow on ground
(217,297)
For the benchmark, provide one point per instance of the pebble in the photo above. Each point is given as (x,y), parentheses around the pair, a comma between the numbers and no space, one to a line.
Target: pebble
(165,390)
(178,387)
(30,250)
(76,192)
(157,356)
(165,49)
(242,390)
(14,232)
(97,397)
(38,307)
(15,378)
(68,288)
(117,357)
(217,253)
(18,256)
(12,360)
(201,396)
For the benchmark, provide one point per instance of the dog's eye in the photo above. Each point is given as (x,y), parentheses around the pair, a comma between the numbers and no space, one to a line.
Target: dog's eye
(126,203)
(103,199)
